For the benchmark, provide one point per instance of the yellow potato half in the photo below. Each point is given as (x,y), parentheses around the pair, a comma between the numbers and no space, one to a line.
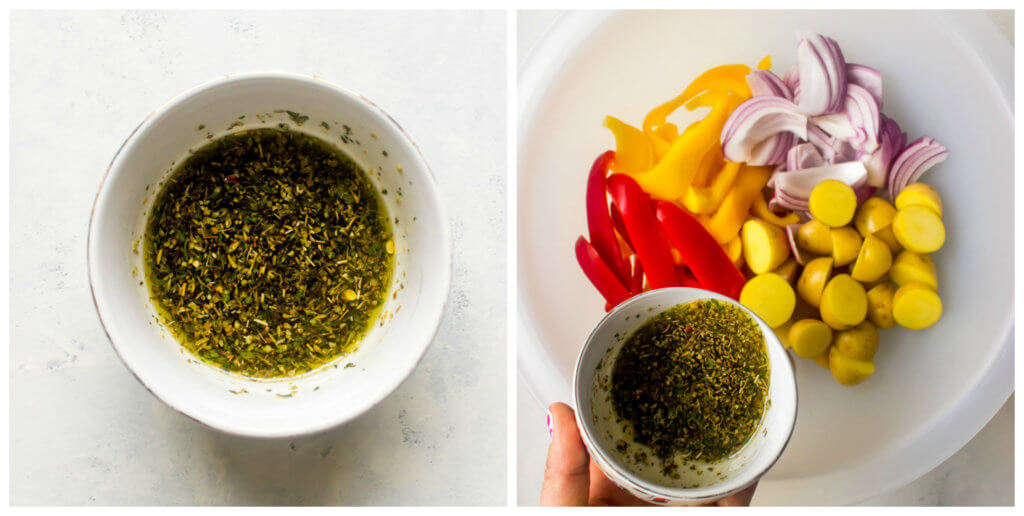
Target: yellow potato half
(875,214)
(844,304)
(916,306)
(919,229)
(846,244)
(914,268)
(919,194)
(873,260)
(813,280)
(770,297)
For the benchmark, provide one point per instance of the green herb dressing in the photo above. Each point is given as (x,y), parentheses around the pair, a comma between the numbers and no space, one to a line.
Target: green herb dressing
(692,385)
(268,253)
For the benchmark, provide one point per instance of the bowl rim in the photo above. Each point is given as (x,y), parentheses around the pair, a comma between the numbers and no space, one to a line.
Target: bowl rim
(678,493)
(432,193)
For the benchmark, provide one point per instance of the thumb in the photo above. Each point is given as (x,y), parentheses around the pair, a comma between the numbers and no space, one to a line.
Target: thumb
(566,474)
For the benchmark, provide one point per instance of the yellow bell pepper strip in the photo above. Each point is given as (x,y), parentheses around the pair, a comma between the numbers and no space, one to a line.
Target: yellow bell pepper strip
(725,224)
(734,250)
(632,149)
(707,200)
(760,210)
(726,78)
(712,162)
(671,177)
(664,135)
(731,78)
(765,63)
(667,132)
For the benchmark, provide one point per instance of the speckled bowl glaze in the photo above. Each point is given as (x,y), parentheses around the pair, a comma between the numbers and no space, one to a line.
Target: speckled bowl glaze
(337,391)
(595,415)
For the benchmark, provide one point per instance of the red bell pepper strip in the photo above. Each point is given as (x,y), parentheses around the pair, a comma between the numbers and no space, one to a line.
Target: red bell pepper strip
(642,226)
(703,255)
(637,285)
(599,222)
(687,279)
(620,226)
(598,272)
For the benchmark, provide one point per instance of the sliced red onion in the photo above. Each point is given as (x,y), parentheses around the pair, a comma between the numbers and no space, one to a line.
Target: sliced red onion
(792,80)
(755,131)
(836,125)
(864,192)
(862,112)
(804,155)
(834,150)
(890,141)
(867,78)
(822,75)
(921,155)
(799,254)
(764,83)
(793,188)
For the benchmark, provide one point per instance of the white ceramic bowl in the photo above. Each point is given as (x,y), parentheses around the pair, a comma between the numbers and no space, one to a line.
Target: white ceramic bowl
(331,394)
(595,415)
(933,388)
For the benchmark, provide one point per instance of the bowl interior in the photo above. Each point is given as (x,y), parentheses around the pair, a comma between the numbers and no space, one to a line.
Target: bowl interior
(598,420)
(332,393)
(952,376)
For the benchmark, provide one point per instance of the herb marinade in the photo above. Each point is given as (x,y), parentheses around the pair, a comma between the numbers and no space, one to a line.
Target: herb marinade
(268,253)
(693,380)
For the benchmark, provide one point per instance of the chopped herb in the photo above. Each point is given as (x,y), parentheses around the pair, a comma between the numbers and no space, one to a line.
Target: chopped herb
(266,255)
(693,380)
(299,119)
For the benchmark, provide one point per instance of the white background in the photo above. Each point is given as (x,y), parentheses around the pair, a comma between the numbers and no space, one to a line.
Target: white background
(981,473)
(83,430)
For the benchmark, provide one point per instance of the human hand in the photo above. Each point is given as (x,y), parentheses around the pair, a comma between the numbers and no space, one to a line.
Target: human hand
(571,478)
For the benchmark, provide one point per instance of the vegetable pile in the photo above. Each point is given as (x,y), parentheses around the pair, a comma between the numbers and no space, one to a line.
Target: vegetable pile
(795,195)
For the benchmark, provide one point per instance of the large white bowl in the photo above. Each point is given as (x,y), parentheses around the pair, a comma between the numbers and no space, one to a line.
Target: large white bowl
(947,75)
(329,395)
(595,414)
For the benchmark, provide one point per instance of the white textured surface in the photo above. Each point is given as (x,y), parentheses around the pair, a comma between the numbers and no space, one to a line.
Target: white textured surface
(83,430)
(981,473)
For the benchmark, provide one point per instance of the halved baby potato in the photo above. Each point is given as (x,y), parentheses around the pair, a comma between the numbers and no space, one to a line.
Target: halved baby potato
(846,244)
(844,304)
(873,260)
(813,280)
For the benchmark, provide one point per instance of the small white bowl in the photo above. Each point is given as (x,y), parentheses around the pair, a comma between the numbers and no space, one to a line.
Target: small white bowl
(596,418)
(337,391)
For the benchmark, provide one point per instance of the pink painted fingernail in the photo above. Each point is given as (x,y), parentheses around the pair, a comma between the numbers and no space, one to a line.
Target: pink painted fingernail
(551,429)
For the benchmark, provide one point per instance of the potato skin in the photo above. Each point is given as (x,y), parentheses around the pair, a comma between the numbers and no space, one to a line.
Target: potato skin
(880,305)
(814,237)
(847,370)
(813,280)
(874,215)
(873,260)
(860,342)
